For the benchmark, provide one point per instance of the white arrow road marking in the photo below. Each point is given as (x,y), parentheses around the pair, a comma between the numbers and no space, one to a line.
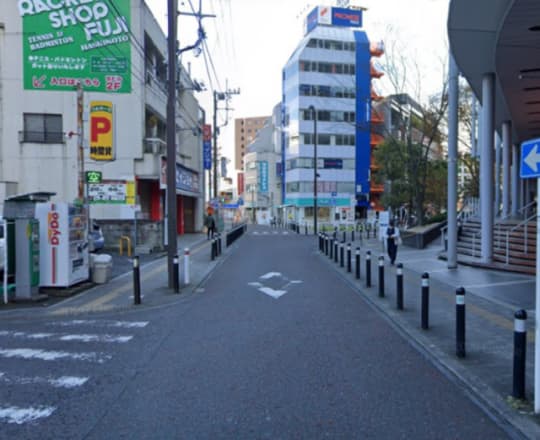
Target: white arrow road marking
(67,337)
(270,275)
(44,355)
(115,324)
(533,158)
(273,293)
(14,414)
(255,284)
(57,382)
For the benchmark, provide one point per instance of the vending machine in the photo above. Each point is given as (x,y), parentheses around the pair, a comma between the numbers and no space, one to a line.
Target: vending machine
(63,232)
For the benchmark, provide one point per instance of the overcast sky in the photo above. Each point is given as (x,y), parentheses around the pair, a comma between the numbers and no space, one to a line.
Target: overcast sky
(249,41)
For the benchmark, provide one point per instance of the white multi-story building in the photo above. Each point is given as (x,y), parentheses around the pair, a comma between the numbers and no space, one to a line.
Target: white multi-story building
(328,75)
(118,52)
(262,195)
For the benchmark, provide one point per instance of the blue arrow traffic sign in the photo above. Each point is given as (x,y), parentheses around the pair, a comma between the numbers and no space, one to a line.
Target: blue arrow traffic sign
(530,159)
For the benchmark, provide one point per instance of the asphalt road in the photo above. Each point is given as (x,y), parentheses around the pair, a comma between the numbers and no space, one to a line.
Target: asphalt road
(277,346)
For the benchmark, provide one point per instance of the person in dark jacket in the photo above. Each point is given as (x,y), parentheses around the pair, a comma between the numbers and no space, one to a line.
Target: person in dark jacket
(210,224)
(392,238)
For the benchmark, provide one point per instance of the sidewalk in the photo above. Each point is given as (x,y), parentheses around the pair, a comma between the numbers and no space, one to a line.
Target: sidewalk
(491,299)
(117,294)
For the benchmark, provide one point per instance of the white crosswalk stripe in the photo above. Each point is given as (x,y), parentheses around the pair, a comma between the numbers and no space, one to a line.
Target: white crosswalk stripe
(56,382)
(67,337)
(52,355)
(30,348)
(101,323)
(14,414)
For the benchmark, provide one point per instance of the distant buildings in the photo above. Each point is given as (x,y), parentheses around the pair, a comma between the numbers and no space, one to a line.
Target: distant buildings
(262,194)
(245,131)
(329,72)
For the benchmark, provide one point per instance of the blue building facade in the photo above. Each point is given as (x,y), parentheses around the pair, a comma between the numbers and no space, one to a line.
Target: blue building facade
(329,70)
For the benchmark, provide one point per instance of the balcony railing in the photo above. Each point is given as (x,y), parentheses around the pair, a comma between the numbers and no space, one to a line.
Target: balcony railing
(155,146)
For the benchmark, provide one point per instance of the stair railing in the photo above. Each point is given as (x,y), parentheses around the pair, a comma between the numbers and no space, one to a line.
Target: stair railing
(525,224)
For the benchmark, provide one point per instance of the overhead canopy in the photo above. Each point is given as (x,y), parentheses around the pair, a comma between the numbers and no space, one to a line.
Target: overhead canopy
(501,37)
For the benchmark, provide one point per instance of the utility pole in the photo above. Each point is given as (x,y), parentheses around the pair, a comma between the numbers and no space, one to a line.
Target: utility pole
(172,243)
(80,146)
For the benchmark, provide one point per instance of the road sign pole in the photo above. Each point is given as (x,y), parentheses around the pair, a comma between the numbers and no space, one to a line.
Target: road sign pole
(537,317)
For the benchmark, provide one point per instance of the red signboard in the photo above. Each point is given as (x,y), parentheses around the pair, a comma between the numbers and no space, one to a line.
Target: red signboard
(240,179)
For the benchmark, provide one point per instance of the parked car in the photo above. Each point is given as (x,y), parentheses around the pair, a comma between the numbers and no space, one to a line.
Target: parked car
(96,239)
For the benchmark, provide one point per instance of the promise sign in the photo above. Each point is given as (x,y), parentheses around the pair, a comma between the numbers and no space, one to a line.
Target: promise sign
(101,130)
(70,41)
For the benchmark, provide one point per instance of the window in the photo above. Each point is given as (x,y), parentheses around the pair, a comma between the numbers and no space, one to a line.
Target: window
(323,139)
(43,128)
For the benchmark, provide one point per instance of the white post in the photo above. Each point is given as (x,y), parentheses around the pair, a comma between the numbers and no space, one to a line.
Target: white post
(537,317)
(186,266)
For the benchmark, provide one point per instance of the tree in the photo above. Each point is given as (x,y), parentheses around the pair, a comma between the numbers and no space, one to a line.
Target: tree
(410,158)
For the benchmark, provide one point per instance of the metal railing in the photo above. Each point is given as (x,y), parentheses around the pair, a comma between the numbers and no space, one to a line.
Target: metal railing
(525,224)
(521,211)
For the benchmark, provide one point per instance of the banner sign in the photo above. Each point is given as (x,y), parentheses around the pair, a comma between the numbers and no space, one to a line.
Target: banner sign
(186,179)
(346,17)
(207,146)
(66,42)
(101,130)
(240,183)
(263,176)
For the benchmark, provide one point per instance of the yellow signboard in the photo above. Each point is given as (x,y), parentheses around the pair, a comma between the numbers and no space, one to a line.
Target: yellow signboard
(101,130)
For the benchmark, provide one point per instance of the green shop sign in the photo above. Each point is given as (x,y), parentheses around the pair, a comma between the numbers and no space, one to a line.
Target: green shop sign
(67,41)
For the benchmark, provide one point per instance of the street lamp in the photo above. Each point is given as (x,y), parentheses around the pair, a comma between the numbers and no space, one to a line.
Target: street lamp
(315,207)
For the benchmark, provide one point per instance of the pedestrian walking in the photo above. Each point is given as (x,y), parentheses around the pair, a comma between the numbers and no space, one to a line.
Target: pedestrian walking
(210,224)
(393,239)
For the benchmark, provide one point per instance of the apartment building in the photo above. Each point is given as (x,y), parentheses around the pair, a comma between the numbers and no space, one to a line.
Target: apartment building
(115,127)
(245,131)
(326,107)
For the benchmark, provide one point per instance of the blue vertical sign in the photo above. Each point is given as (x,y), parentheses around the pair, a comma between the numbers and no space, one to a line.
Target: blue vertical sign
(263,176)
(207,146)
(363,118)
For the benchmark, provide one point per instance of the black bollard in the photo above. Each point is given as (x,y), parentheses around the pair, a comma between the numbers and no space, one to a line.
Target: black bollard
(326,245)
(136,281)
(219,244)
(368,269)
(381,276)
(357,253)
(176,280)
(331,244)
(520,353)
(399,286)
(336,253)
(306,229)
(460,322)
(341,255)
(349,258)
(298,228)
(213,250)
(425,300)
